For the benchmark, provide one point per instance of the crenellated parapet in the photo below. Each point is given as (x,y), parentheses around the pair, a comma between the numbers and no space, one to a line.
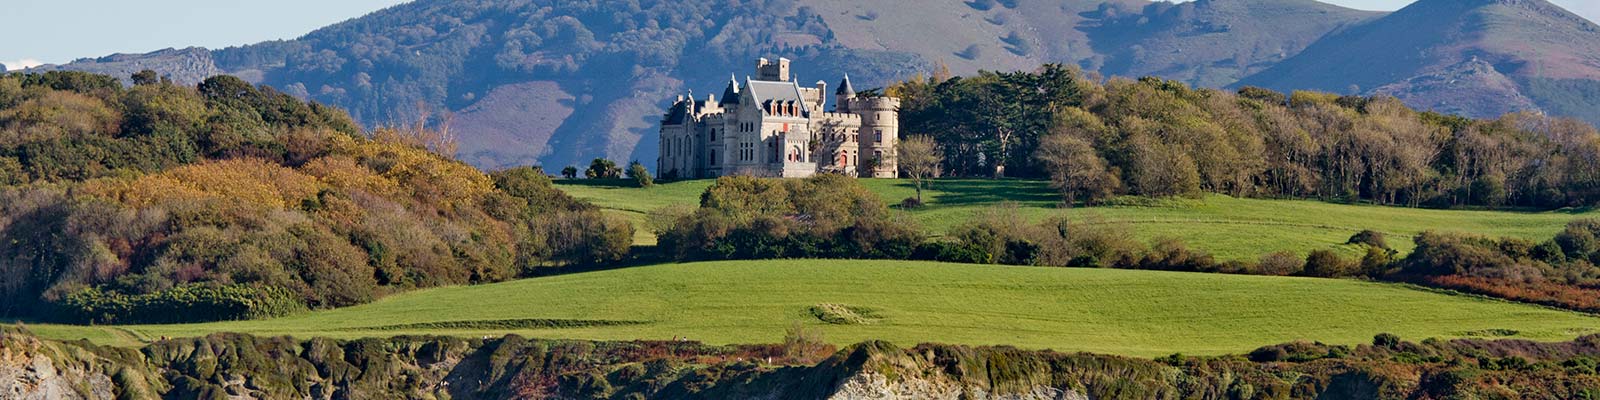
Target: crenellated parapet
(859,104)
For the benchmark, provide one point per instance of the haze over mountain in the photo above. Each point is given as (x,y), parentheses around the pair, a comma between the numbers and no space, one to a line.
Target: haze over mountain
(557,83)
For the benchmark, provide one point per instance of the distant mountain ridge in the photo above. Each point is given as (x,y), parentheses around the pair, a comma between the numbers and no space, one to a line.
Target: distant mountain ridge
(555,83)
(1475,57)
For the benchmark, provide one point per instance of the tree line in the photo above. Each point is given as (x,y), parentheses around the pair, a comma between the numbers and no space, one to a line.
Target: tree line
(226,200)
(1097,139)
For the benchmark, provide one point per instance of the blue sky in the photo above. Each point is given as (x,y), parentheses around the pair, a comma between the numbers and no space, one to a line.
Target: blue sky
(57,31)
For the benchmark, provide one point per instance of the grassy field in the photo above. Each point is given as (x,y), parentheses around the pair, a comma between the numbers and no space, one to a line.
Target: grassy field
(1137,313)
(1230,228)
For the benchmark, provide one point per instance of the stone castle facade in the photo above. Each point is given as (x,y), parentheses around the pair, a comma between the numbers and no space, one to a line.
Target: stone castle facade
(770,126)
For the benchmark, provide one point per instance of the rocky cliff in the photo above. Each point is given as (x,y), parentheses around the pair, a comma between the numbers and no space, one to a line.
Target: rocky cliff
(246,367)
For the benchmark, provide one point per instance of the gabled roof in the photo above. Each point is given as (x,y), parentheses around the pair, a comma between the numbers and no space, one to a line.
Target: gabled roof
(780,91)
(763,91)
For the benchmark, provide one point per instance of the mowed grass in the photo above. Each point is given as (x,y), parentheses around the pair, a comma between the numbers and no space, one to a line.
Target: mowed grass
(1227,227)
(1136,313)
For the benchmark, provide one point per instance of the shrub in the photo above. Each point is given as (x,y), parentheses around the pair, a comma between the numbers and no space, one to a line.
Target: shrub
(952,252)
(640,175)
(1386,340)
(1282,263)
(1579,239)
(1297,352)
(602,168)
(1450,254)
(804,345)
(1170,254)
(187,303)
(910,203)
(1369,238)
(1327,264)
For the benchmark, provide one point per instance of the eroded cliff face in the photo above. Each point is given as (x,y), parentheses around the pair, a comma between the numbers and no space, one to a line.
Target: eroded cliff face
(230,366)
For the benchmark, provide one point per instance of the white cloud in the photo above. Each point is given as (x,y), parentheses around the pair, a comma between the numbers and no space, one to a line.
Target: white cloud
(21,64)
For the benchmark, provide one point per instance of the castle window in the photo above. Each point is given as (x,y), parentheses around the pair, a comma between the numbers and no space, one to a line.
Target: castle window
(713,157)
(879,134)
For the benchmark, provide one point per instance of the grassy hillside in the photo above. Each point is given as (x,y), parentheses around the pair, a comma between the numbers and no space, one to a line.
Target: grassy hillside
(1138,313)
(1230,228)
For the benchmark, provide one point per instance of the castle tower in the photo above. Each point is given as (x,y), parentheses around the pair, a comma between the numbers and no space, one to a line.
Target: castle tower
(767,70)
(843,96)
(880,133)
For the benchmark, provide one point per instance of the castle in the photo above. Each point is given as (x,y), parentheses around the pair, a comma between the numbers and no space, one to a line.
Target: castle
(770,126)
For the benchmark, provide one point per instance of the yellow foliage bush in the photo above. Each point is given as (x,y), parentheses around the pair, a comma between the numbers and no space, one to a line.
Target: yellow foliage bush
(246,181)
(434,179)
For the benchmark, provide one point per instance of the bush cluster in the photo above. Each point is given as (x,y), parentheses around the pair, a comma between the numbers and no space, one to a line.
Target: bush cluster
(1559,272)
(826,216)
(193,302)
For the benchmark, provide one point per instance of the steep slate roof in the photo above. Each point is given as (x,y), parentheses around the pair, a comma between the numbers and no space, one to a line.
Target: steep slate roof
(677,114)
(845,88)
(776,91)
(730,95)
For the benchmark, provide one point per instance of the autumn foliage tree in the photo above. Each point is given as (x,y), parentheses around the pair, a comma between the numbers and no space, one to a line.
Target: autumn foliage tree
(919,159)
(161,203)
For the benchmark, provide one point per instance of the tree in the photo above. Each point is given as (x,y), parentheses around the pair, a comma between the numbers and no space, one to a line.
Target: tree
(1075,169)
(570,172)
(602,168)
(145,78)
(919,158)
(640,175)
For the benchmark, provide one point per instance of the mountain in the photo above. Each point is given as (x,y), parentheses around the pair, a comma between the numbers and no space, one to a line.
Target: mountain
(558,82)
(1214,43)
(1473,57)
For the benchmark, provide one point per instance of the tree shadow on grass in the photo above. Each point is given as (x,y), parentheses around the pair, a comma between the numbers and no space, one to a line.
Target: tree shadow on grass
(963,192)
(619,183)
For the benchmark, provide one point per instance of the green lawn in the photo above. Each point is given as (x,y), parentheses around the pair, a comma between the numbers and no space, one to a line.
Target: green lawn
(1136,313)
(1230,228)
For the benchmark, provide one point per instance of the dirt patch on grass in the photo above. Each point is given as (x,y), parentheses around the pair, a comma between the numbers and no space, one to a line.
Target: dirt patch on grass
(839,314)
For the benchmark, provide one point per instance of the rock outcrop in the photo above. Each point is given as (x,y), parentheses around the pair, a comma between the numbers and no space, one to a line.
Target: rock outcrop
(233,366)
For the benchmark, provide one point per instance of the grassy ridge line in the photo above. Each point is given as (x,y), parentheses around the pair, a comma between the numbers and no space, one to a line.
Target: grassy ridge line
(1230,228)
(1135,313)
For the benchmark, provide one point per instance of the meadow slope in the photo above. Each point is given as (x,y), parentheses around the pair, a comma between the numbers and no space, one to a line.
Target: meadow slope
(1227,227)
(1136,313)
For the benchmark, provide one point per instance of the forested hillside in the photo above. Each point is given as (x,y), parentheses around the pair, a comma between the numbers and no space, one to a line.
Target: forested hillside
(161,202)
(1154,137)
